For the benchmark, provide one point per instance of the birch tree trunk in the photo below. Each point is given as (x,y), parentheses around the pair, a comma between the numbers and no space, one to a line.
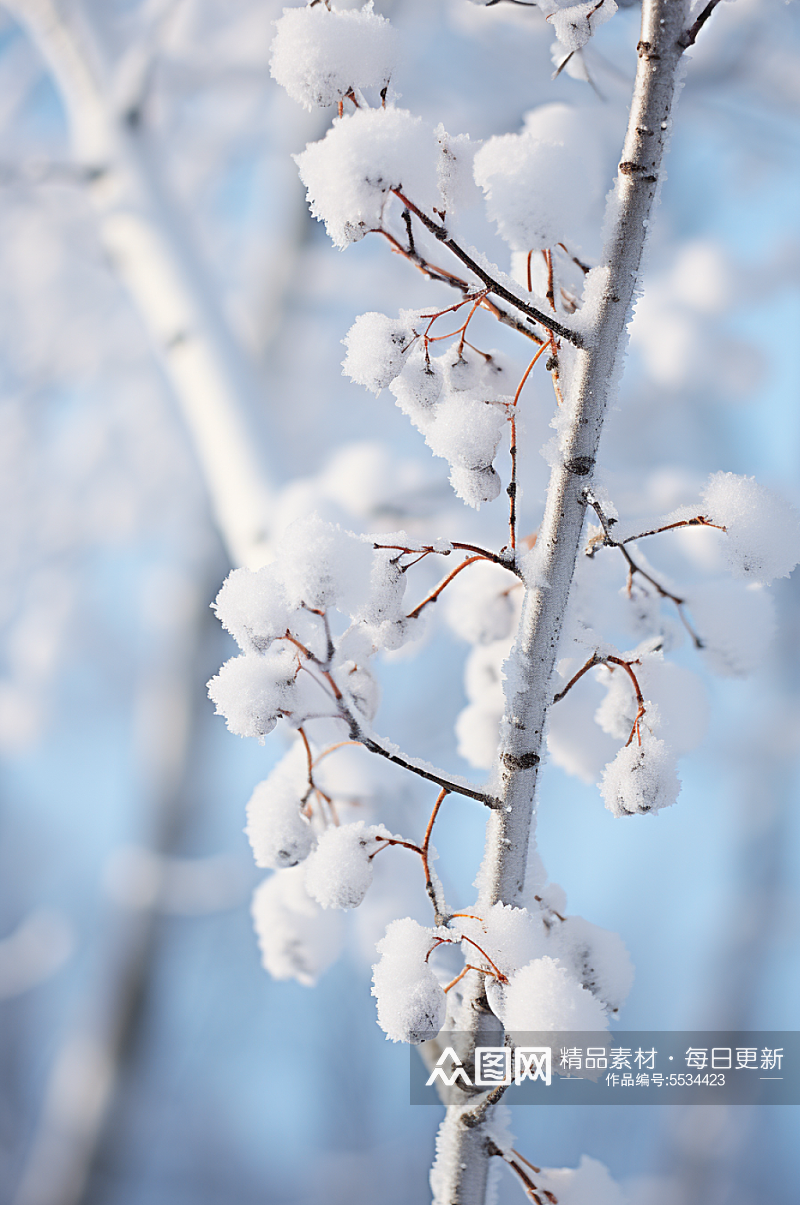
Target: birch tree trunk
(464,1144)
(211,376)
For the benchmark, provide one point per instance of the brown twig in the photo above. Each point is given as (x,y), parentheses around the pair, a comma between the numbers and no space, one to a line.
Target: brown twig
(440,233)
(433,272)
(511,489)
(690,36)
(426,844)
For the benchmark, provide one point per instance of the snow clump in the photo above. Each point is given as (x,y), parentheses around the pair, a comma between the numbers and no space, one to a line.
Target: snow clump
(350,173)
(319,55)
(598,958)
(544,996)
(277,829)
(641,778)
(574,24)
(763,531)
(253,690)
(376,346)
(252,606)
(296,938)
(540,184)
(339,872)
(411,1002)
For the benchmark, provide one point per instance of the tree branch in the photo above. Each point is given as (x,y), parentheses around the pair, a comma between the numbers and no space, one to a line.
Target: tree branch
(460,1169)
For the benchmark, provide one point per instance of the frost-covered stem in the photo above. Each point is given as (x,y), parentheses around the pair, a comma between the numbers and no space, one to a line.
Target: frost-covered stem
(460,1172)
(145,238)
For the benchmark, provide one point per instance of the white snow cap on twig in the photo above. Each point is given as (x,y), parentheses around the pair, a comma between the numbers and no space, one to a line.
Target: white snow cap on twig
(763,530)
(320,54)
(411,1002)
(544,996)
(350,173)
(339,872)
(641,778)
(279,833)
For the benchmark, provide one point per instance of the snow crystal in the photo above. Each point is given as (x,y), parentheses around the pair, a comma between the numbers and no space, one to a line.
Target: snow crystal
(376,346)
(763,531)
(541,183)
(575,23)
(598,959)
(339,871)
(297,939)
(252,690)
(481,603)
(318,55)
(351,171)
(735,623)
(544,996)
(252,606)
(641,778)
(276,828)
(411,1003)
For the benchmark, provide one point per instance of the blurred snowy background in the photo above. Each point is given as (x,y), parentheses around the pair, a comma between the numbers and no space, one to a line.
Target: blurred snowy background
(144,1054)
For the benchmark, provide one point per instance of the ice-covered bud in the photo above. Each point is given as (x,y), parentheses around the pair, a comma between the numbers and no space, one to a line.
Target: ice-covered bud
(376,350)
(598,959)
(541,184)
(323,566)
(763,531)
(361,159)
(339,871)
(362,688)
(411,1002)
(574,24)
(296,938)
(251,691)
(544,996)
(641,778)
(252,606)
(319,55)
(277,829)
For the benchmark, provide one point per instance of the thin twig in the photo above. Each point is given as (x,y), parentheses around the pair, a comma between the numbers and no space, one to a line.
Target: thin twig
(690,36)
(440,232)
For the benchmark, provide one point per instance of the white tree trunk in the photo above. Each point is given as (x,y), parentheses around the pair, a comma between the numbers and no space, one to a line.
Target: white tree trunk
(463,1147)
(210,374)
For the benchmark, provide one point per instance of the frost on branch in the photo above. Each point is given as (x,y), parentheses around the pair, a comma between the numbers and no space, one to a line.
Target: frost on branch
(339,872)
(641,778)
(763,531)
(411,1002)
(297,939)
(540,184)
(277,829)
(350,173)
(321,55)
